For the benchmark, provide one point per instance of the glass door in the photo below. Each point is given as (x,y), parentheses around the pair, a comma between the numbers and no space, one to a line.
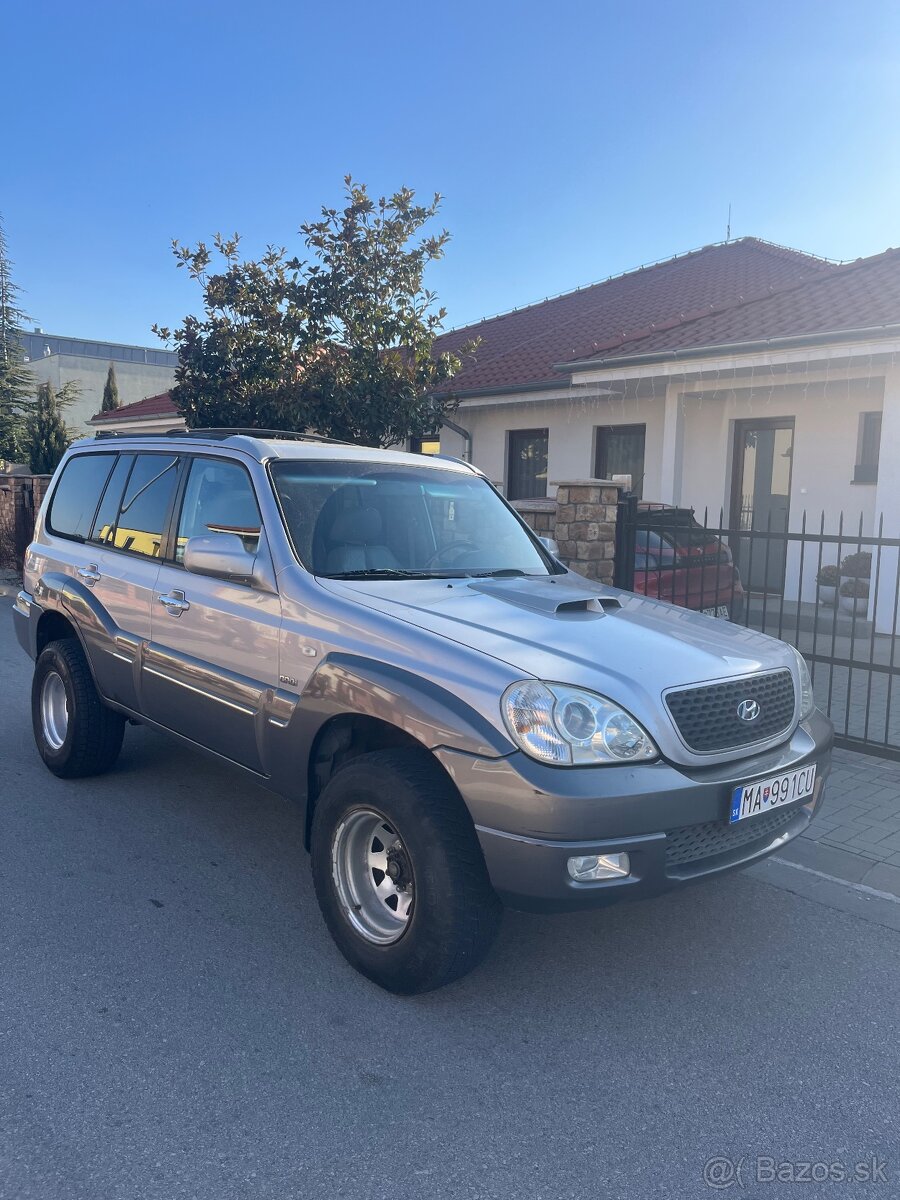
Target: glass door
(761,497)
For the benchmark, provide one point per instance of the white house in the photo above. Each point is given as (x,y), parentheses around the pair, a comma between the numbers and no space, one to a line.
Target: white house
(744,379)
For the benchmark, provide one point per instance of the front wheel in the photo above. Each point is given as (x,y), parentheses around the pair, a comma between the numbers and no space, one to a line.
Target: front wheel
(399,874)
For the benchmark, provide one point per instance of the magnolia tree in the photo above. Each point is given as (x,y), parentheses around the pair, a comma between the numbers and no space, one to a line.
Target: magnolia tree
(340,342)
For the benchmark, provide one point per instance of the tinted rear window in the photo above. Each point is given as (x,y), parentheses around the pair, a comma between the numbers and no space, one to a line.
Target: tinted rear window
(142,517)
(77,494)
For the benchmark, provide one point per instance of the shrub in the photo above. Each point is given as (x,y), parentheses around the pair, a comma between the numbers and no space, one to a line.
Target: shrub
(855,588)
(829,576)
(857,566)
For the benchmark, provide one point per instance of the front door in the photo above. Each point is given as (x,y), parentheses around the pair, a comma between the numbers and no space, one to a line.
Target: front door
(213,655)
(761,497)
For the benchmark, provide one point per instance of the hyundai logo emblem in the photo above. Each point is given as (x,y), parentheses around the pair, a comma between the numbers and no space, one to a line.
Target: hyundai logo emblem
(748,710)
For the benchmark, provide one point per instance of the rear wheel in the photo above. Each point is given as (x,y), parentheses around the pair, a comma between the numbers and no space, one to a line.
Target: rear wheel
(75,733)
(399,874)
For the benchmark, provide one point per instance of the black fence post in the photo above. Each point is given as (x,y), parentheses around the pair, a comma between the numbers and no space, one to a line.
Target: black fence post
(626,525)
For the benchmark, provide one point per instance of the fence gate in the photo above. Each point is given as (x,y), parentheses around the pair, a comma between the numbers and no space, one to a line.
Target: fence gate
(826,587)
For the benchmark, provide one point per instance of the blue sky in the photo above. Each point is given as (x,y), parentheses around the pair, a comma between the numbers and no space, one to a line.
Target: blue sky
(571,140)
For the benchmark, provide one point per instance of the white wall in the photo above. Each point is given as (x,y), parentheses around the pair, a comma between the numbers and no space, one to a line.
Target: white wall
(826,414)
(826,429)
(135,381)
(571,419)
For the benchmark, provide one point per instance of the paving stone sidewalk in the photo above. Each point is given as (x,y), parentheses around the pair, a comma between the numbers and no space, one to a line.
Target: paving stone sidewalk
(856,836)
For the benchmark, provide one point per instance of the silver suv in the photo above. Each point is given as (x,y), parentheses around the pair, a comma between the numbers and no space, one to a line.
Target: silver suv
(379,636)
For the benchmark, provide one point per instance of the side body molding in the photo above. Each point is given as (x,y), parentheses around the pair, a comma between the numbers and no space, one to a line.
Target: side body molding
(350,685)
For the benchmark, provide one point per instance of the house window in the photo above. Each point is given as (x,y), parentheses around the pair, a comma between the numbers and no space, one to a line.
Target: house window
(619,450)
(867,448)
(526,477)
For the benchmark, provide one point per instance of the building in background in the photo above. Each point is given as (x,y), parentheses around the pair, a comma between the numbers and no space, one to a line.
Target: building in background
(140,370)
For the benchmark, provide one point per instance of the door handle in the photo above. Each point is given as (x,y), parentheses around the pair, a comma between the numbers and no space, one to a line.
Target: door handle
(174,603)
(89,574)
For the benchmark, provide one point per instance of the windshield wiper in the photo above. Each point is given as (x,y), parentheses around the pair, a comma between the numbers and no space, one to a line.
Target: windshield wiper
(499,573)
(385,573)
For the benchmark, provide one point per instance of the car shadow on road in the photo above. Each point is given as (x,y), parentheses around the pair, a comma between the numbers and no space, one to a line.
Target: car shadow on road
(695,940)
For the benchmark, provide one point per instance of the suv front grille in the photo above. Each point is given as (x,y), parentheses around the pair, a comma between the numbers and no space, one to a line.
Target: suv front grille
(693,842)
(707,717)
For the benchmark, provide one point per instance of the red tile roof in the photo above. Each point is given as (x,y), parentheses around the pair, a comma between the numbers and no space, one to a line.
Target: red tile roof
(151,406)
(521,348)
(859,295)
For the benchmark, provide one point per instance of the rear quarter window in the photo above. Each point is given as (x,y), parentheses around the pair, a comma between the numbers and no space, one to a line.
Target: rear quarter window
(77,494)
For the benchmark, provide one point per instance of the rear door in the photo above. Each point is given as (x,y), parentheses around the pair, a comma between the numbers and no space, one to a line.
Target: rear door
(213,655)
(116,565)
(127,541)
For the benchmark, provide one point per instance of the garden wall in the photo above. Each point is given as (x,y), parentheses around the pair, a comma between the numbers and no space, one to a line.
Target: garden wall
(20,501)
(582,520)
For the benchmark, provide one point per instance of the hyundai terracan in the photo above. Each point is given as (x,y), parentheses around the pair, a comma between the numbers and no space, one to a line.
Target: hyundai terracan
(464,722)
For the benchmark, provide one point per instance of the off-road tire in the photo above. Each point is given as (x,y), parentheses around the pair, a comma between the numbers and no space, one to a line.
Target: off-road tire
(94,732)
(455,912)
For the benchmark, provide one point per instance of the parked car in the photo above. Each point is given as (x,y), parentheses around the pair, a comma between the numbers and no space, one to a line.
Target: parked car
(679,560)
(379,636)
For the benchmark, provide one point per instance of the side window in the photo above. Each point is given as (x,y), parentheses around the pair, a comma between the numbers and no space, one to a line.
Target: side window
(526,476)
(868,447)
(219,498)
(105,521)
(619,450)
(142,517)
(77,494)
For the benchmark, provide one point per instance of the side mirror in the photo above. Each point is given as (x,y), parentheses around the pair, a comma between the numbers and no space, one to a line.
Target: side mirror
(550,545)
(223,556)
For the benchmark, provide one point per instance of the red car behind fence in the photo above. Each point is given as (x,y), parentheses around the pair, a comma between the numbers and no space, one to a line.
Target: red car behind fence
(679,560)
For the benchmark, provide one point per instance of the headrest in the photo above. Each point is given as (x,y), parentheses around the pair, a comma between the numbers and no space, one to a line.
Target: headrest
(357,527)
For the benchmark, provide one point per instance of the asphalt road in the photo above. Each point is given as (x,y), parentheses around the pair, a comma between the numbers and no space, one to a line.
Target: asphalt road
(174,1021)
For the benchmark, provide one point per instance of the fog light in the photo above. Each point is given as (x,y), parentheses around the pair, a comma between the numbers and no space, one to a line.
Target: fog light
(586,867)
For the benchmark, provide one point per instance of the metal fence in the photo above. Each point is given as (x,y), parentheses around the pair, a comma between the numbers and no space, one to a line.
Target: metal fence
(826,586)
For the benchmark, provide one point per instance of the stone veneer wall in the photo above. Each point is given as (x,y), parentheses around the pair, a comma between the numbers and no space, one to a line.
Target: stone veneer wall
(582,519)
(20,501)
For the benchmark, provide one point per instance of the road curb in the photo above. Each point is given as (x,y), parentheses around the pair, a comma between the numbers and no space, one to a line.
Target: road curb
(834,862)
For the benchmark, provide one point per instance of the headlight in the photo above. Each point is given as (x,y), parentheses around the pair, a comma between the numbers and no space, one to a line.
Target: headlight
(567,727)
(807,699)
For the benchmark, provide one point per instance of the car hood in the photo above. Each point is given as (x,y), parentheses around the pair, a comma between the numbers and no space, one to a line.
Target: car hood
(568,629)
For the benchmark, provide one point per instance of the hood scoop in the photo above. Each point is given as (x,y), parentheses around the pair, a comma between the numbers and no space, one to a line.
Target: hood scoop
(553,596)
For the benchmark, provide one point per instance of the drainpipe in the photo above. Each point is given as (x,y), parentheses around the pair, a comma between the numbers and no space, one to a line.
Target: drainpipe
(464,434)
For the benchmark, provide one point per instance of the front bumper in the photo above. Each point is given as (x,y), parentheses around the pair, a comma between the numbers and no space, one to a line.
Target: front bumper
(671,821)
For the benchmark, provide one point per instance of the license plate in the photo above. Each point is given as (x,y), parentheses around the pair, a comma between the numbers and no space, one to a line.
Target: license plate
(720,610)
(771,793)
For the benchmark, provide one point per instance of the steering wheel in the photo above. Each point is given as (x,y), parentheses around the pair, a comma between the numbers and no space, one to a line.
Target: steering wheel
(461,544)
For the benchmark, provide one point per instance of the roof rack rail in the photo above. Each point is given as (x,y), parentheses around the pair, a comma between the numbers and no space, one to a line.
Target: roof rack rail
(217,433)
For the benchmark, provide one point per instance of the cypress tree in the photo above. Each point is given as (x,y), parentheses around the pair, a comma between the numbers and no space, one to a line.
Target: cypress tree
(110,391)
(46,435)
(16,381)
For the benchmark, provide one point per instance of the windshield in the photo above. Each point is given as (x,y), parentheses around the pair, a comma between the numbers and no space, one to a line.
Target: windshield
(380,520)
